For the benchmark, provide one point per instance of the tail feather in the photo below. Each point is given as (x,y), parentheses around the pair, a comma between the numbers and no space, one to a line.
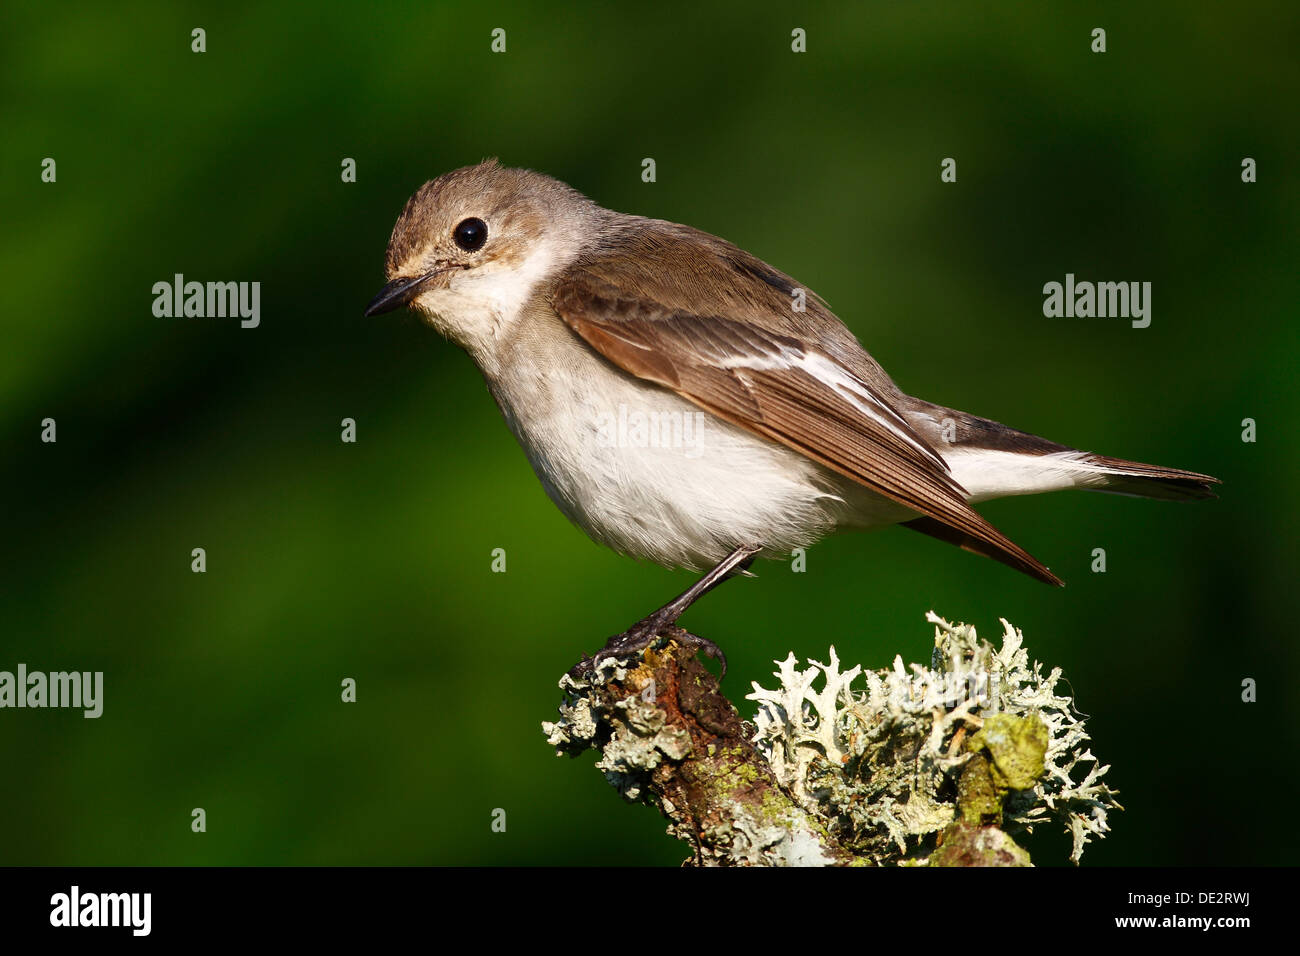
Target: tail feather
(1119,477)
(991,460)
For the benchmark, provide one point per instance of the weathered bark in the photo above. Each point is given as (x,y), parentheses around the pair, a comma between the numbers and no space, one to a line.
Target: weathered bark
(671,739)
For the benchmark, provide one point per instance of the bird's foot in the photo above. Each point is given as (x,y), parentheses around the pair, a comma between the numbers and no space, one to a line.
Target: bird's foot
(643,634)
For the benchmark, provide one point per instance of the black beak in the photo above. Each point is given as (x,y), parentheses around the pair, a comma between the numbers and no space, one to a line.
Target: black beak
(400,292)
(397,294)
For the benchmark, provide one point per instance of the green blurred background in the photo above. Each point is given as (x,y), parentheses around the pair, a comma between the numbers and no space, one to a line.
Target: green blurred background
(372,560)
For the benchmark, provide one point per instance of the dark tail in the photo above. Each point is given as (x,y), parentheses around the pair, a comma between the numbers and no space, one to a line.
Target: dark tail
(1119,477)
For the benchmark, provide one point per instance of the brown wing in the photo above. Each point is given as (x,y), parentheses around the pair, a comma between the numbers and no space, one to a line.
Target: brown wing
(783,387)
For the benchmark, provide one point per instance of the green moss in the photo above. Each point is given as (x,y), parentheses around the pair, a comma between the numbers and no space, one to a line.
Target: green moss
(977,793)
(1016,747)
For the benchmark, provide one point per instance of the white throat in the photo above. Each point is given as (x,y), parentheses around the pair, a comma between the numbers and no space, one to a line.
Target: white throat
(478,308)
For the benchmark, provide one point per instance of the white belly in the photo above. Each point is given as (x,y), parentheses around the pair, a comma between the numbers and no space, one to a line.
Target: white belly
(650,475)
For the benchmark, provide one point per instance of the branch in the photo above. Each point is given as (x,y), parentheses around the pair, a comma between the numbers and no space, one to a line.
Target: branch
(938,767)
(670,738)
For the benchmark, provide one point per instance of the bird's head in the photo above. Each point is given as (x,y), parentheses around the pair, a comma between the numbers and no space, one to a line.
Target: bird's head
(471,246)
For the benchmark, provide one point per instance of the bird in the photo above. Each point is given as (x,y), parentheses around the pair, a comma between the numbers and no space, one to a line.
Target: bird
(684,402)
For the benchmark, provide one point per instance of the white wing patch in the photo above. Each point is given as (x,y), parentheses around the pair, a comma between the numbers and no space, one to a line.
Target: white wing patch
(843,382)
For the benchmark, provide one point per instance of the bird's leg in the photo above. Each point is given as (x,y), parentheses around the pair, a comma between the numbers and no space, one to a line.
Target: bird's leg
(645,631)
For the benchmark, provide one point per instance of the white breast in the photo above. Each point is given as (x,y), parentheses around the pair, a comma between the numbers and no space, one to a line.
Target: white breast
(646,472)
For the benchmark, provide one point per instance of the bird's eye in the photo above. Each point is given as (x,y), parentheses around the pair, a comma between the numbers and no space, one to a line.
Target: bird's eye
(471,234)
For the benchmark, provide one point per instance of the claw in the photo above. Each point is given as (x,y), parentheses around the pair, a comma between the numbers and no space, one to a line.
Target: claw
(636,639)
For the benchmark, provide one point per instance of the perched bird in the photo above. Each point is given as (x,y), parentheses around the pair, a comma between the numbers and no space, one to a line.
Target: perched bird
(685,402)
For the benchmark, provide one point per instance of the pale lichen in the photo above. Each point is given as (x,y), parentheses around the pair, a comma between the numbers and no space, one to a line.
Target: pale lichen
(980,737)
(626,758)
